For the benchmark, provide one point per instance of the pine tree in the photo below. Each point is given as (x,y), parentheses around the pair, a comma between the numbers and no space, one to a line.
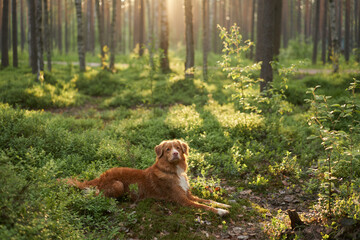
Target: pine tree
(80,37)
(189,39)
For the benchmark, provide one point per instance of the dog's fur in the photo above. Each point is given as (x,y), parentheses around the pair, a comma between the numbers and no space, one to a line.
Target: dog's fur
(165,180)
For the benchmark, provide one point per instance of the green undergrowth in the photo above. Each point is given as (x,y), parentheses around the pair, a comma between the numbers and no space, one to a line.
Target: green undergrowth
(116,119)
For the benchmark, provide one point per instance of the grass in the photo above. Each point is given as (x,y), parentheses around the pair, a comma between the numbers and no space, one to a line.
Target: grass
(79,125)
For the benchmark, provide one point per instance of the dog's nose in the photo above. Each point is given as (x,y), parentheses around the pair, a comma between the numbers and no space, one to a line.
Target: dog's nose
(175,154)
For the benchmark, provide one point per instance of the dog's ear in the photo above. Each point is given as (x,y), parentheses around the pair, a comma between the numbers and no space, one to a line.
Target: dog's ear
(159,150)
(184,147)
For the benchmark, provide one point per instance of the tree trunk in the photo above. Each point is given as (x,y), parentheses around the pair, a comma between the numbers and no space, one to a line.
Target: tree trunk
(324,31)
(22,26)
(150,42)
(285,21)
(294,219)
(59,27)
(130,27)
(292,17)
(205,14)
(141,27)
(14,34)
(112,41)
(189,39)
(307,20)
(253,28)
(39,39)
(90,27)
(119,28)
(4,35)
(347,32)
(316,32)
(214,28)
(356,26)
(47,35)
(339,21)
(32,37)
(1,12)
(66,40)
(80,37)
(101,31)
(51,23)
(164,37)
(334,37)
(358,38)
(136,23)
(299,19)
(267,19)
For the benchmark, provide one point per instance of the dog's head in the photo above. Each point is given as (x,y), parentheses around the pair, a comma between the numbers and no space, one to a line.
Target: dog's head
(172,151)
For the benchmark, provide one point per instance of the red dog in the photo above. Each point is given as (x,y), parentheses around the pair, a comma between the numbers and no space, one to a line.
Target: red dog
(165,180)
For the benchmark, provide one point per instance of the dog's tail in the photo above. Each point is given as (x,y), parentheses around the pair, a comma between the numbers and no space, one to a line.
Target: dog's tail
(82,185)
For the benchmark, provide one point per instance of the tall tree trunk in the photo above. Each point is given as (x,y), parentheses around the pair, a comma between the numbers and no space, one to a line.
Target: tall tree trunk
(32,36)
(141,27)
(252,28)
(334,37)
(22,26)
(47,35)
(266,39)
(59,27)
(1,12)
(356,23)
(299,18)
(307,20)
(324,31)
(108,22)
(80,37)
(4,34)
(66,26)
(358,37)
(14,34)
(339,9)
(347,32)
(112,41)
(329,37)
(130,26)
(52,24)
(91,28)
(119,28)
(136,23)
(39,39)
(150,42)
(189,39)
(164,37)
(285,22)
(316,32)
(292,17)
(214,27)
(9,21)
(205,21)
(100,30)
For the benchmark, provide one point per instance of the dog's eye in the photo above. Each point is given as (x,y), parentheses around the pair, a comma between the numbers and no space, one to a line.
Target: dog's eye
(177,148)
(168,149)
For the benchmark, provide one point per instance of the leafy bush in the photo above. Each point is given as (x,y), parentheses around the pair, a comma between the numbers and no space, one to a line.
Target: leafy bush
(98,83)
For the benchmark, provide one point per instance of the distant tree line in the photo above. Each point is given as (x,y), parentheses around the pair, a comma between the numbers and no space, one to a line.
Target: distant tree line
(45,26)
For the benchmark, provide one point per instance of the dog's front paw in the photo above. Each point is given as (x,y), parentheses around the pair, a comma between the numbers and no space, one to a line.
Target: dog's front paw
(222,212)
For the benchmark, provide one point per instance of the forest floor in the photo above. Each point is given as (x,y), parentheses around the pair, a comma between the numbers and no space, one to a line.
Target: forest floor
(270,204)
(80,125)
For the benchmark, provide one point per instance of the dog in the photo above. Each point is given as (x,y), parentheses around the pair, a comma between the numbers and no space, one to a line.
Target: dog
(165,180)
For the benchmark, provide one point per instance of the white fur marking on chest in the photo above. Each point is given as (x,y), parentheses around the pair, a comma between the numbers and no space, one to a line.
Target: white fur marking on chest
(184,184)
